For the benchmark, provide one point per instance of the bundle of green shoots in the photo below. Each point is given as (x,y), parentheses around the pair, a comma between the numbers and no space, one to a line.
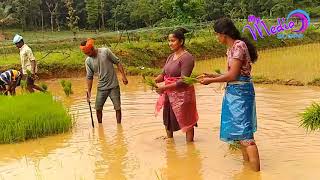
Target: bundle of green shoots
(310,119)
(218,71)
(29,73)
(150,82)
(67,87)
(23,85)
(44,86)
(235,146)
(189,80)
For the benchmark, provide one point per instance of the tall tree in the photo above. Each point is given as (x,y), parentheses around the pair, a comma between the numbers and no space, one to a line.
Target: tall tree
(281,8)
(102,7)
(72,18)
(52,7)
(21,12)
(92,8)
(214,9)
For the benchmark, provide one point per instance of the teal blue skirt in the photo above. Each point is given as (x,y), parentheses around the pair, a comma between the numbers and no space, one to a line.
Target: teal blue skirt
(238,117)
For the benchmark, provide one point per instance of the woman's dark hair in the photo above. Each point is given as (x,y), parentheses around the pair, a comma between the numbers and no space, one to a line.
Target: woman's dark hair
(179,34)
(227,27)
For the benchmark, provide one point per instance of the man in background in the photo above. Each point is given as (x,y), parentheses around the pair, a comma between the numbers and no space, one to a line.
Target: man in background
(28,63)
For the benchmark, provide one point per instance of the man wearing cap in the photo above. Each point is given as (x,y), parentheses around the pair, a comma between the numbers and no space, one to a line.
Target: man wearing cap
(28,63)
(101,61)
(9,80)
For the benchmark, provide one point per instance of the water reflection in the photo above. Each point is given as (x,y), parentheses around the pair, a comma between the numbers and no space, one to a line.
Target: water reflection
(184,166)
(247,174)
(33,150)
(111,154)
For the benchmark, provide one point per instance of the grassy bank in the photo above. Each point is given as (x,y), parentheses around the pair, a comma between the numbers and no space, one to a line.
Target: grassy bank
(141,48)
(59,56)
(297,65)
(19,121)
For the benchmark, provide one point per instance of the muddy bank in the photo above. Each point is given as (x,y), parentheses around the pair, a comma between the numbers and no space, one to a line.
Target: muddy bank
(59,70)
(138,71)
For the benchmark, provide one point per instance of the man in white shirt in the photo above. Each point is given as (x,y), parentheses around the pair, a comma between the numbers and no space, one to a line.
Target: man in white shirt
(28,62)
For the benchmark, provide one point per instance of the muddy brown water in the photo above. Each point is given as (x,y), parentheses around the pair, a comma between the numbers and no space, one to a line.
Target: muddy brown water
(137,148)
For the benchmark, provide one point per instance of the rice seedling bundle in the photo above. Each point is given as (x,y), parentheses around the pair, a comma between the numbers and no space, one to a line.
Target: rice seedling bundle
(44,86)
(30,116)
(218,71)
(189,80)
(29,73)
(310,118)
(67,87)
(150,82)
(23,84)
(235,146)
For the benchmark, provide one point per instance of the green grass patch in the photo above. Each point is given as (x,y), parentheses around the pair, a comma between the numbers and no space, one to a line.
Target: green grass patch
(310,118)
(31,116)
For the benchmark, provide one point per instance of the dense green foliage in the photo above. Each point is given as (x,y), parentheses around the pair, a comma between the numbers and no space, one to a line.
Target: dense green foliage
(133,14)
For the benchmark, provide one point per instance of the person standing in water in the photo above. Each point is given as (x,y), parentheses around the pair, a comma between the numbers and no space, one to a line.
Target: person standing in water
(177,98)
(238,118)
(101,61)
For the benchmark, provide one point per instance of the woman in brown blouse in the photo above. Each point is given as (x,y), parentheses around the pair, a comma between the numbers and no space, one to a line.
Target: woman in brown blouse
(177,98)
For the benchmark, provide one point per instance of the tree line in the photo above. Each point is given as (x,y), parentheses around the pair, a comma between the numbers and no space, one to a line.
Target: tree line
(56,15)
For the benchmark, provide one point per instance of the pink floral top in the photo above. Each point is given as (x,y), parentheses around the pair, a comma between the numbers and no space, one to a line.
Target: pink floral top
(240,51)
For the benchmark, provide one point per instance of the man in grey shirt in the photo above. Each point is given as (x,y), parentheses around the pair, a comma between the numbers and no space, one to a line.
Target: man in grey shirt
(101,61)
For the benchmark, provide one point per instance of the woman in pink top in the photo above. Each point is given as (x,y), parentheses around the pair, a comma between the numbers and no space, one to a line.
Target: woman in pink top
(238,117)
(177,98)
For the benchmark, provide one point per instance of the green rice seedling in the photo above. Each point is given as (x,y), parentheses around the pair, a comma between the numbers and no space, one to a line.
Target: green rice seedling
(193,75)
(235,146)
(310,118)
(159,177)
(189,80)
(31,116)
(23,85)
(218,71)
(29,73)
(63,83)
(67,87)
(150,82)
(44,86)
